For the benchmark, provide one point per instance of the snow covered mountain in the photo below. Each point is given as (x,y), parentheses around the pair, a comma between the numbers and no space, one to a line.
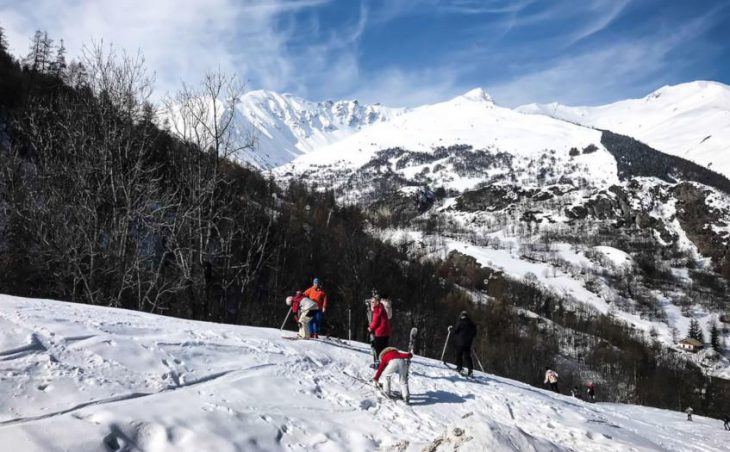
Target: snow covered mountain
(437,139)
(84,378)
(285,126)
(542,199)
(690,120)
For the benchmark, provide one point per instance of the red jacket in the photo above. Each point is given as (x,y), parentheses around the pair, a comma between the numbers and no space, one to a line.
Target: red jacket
(380,326)
(295,300)
(318,296)
(390,354)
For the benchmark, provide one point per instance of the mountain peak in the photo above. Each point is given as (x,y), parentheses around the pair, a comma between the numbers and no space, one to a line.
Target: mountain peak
(477,95)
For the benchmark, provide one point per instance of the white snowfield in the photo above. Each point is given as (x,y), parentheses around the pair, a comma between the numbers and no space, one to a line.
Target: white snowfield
(470,119)
(84,378)
(689,120)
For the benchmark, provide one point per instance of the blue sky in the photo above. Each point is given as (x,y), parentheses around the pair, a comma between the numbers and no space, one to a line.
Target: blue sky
(405,52)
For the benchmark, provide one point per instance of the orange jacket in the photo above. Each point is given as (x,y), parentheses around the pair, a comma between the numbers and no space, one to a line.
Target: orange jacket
(318,296)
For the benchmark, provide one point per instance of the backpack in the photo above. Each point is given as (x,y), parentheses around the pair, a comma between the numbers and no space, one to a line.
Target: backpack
(388,307)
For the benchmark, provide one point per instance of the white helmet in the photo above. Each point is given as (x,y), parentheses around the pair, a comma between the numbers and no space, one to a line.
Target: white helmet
(288,301)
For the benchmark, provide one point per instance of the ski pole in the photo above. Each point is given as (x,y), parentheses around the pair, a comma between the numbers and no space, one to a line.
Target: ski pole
(285,319)
(446,343)
(349,324)
(474,353)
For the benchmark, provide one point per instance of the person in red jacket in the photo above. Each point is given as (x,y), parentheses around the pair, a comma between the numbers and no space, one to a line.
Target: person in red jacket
(317,294)
(380,326)
(394,362)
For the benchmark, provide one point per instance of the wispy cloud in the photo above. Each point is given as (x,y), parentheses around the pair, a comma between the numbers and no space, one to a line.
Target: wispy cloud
(398,52)
(599,75)
(180,39)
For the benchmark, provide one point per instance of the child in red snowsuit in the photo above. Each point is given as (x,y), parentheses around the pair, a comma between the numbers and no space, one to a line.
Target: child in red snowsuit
(394,362)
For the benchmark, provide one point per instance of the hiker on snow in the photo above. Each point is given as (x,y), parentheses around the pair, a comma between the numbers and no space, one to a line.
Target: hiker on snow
(304,310)
(318,295)
(380,325)
(591,392)
(464,333)
(551,377)
(394,362)
(689,412)
(726,421)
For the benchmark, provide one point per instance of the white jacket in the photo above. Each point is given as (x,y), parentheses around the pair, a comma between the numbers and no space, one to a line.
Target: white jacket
(551,376)
(307,304)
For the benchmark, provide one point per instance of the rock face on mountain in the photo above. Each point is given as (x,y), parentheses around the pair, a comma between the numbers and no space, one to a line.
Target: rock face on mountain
(285,126)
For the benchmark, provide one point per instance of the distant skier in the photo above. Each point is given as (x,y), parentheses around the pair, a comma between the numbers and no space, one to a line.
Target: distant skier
(551,378)
(394,362)
(726,421)
(689,412)
(591,391)
(379,326)
(317,294)
(463,335)
(304,310)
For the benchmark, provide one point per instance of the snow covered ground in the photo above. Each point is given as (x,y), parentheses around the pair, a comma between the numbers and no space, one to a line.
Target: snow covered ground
(86,378)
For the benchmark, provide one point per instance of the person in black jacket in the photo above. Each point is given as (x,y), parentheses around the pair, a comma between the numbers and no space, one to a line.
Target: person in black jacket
(463,334)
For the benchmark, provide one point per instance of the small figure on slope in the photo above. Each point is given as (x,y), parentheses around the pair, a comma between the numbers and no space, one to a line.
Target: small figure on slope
(379,326)
(726,421)
(689,412)
(394,362)
(591,392)
(304,310)
(551,378)
(317,294)
(464,333)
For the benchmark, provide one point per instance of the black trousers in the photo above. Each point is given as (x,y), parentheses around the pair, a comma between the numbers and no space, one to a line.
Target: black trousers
(379,344)
(463,356)
(554,387)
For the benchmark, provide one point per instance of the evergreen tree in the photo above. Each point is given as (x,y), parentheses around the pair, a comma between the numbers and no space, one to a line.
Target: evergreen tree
(695,332)
(3,42)
(58,67)
(34,58)
(715,337)
(46,63)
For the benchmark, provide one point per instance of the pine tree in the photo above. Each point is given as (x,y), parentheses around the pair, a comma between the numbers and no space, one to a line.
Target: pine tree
(33,60)
(695,332)
(3,42)
(58,67)
(46,49)
(715,337)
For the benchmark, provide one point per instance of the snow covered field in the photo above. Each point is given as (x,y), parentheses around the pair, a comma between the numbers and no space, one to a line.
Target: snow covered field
(84,378)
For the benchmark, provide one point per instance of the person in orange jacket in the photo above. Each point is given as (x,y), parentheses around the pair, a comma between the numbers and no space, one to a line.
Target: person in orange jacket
(317,294)
(394,362)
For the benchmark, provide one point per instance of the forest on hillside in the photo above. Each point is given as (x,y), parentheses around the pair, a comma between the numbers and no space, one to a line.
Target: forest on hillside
(104,202)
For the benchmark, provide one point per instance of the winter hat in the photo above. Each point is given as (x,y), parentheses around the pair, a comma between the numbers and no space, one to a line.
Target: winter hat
(288,301)
(316,281)
(464,314)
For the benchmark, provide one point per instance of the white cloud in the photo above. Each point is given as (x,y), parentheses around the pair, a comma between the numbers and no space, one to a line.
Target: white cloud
(605,74)
(180,39)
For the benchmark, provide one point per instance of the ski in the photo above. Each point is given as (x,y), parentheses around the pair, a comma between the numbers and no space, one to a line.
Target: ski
(412,339)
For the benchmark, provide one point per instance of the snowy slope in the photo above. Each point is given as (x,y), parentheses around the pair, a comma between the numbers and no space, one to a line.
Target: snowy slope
(86,378)
(471,119)
(285,126)
(690,120)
